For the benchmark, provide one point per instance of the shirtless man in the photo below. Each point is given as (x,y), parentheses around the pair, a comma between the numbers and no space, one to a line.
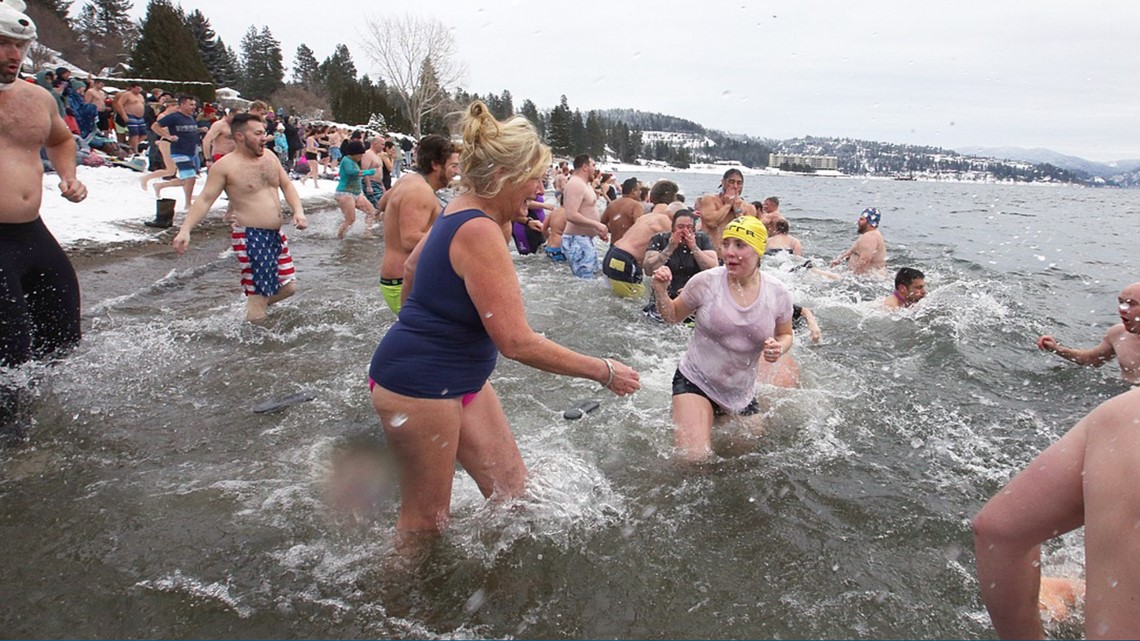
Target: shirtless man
(129,106)
(96,96)
(770,211)
(623,261)
(560,178)
(621,213)
(1088,478)
(373,189)
(868,253)
(1121,341)
(583,222)
(410,207)
(553,228)
(717,210)
(39,292)
(219,140)
(251,178)
(910,287)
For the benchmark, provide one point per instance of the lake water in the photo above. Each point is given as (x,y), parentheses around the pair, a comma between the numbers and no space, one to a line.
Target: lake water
(151,501)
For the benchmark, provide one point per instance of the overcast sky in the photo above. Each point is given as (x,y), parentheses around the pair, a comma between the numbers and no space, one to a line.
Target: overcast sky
(950,74)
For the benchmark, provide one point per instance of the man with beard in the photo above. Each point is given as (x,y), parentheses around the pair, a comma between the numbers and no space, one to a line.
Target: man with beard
(1121,340)
(251,179)
(410,207)
(868,253)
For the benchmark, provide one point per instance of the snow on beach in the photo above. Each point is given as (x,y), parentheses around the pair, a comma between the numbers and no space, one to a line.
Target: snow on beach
(116,206)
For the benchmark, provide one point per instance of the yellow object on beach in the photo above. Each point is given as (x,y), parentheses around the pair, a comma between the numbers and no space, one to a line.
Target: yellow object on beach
(750,230)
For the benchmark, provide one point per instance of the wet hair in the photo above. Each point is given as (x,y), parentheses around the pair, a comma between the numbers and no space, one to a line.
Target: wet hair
(663,192)
(906,276)
(241,122)
(679,197)
(629,186)
(775,201)
(683,213)
(432,149)
(732,172)
(581,160)
(781,226)
(758,204)
(496,153)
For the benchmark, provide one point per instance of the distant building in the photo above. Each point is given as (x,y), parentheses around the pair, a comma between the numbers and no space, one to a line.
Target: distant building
(795,160)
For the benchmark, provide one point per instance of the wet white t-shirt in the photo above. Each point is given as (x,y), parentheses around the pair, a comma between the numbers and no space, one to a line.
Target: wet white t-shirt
(726,346)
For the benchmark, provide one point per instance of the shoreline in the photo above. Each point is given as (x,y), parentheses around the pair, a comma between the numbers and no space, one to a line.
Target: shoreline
(109,222)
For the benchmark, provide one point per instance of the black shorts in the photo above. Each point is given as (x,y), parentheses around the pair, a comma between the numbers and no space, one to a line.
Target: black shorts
(682,385)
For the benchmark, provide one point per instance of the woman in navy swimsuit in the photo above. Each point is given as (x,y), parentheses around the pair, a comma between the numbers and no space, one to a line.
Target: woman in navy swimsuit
(430,372)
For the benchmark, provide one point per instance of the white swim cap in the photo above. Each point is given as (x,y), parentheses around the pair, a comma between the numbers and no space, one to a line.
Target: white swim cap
(14,23)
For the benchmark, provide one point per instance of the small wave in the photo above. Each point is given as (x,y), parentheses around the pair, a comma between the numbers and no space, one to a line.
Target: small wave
(213,592)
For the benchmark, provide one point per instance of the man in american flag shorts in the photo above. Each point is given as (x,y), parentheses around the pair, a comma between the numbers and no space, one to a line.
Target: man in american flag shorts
(251,179)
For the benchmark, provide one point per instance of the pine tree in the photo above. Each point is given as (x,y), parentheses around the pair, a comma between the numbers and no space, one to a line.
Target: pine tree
(530,112)
(577,133)
(105,31)
(263,71)
(337,71)
(166,49)
(305,68)
(558,133)
(59,8)
(227,69)
(211,48)
(595,136)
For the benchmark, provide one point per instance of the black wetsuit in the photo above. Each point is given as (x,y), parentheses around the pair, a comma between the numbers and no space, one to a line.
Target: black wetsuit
(39,294)
(39,303)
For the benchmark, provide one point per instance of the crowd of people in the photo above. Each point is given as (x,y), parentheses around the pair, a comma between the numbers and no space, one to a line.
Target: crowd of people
(449,276)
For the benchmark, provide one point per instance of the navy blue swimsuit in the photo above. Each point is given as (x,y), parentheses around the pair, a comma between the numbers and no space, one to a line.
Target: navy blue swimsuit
(438,347)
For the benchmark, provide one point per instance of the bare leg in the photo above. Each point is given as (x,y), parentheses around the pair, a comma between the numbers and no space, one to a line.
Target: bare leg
(487,448)
(424,437)
(692,427)
(188,191)
(158,187)
(348,208)
(369,213)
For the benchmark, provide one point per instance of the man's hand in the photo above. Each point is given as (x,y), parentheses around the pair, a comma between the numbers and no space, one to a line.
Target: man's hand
(1047,343)
(72,189)
(181,241)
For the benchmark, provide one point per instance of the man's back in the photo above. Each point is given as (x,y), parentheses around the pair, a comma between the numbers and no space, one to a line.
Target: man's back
(637,238)
(620,215)
(409,212)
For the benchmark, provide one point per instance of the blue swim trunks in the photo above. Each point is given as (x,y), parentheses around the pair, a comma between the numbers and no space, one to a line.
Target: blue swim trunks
(187,166)
(136,126)
(264,257)
(581,255)
(555,254)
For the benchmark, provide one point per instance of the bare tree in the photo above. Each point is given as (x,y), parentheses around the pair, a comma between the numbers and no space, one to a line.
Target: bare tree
(416,56)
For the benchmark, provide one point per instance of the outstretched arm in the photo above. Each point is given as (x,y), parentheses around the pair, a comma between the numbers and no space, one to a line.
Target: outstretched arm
(1095,356)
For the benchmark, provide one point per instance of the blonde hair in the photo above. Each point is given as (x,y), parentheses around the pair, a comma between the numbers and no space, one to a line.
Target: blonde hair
(490,146)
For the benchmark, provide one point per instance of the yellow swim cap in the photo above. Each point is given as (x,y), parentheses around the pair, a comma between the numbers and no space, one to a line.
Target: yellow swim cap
(750,230)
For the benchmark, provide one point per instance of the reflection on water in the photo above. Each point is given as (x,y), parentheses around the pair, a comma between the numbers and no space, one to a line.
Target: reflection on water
(152,501)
